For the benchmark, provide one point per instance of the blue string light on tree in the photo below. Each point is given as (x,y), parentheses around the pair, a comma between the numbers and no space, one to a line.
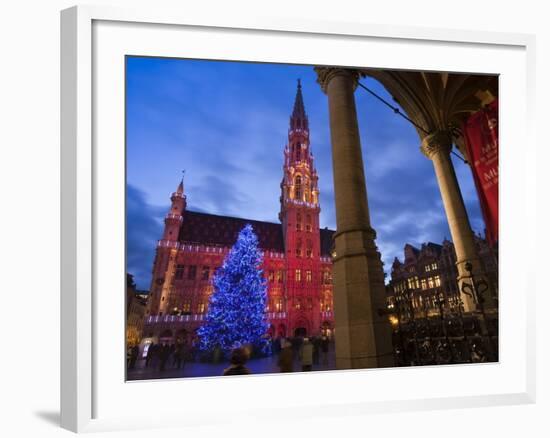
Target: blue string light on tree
(236,312)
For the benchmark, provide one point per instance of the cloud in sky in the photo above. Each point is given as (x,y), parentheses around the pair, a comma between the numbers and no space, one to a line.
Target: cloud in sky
(226,124)
(143,228)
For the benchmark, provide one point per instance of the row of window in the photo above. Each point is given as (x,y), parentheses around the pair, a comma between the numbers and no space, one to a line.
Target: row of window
(427,301)
(430,282)
(186,308)
(274,305)
(303,304)
(399,287)
(307,304)
(420,302)
(309,252)
(416,283)
(278,276)
(430,267)
(299,226)
(299,221)
(413,282)
(298,150)
(326,278)
(273,276)
(298,275)
(299,192)
(191,272)
(427,268)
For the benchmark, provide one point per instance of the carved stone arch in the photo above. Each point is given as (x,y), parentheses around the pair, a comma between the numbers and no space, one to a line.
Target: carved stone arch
(166,336)
(436,101)
(302,327)
(182,335)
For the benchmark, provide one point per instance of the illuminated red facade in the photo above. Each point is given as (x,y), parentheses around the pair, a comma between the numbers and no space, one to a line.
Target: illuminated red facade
(297,254)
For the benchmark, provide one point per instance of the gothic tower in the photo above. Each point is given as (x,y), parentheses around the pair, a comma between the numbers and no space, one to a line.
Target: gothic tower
(166,254)
(299,216)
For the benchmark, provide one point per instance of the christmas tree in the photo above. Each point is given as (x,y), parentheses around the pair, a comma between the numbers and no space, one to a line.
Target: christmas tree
(236,312)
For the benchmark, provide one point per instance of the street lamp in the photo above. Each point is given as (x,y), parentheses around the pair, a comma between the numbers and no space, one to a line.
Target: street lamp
(394,317)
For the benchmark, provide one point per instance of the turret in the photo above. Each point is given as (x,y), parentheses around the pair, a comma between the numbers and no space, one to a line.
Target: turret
(174,217)
(167,249)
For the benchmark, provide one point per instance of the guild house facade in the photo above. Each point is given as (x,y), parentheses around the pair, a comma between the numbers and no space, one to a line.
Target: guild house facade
(429,273)
(297,255)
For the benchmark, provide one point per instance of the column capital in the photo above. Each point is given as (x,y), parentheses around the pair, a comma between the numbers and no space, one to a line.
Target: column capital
(438,141)
(326,74)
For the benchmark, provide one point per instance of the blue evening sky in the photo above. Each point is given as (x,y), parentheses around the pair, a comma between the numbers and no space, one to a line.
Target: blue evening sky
(226,124)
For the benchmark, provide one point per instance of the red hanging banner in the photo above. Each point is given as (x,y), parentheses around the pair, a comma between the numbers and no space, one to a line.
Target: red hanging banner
(481,139)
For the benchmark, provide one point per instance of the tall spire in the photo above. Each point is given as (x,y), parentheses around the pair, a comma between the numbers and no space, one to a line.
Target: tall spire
(299,186)
(299,120)
(179,190)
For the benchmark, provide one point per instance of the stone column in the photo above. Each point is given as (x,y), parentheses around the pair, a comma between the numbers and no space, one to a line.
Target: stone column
(437,147)
(363,336)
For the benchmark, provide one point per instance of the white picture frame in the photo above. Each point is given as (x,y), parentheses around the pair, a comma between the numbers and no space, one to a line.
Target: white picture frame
(93,398)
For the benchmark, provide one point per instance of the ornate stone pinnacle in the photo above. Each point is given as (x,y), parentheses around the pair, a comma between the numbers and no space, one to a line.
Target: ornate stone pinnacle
(439,141)
(326,74)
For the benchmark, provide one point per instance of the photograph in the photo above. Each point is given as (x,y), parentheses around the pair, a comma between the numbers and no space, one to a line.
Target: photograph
(266,218)
(285,218)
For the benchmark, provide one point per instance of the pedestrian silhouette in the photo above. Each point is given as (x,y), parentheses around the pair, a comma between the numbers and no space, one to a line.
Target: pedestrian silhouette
(239,356)
(164,353)
(324,349)
(285,357)
(306,355)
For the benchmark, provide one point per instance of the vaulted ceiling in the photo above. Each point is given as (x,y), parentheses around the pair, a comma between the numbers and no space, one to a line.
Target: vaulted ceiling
(437,101)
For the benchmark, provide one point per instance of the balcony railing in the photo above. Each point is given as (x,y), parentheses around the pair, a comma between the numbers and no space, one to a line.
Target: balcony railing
(168,244)
(299,130)
(302,203)
(174,216)
(204,248)
(158,319)
(273,255)
(198,317)
(212,249)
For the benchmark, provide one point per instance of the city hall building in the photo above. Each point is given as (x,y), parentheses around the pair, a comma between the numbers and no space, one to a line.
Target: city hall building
(297,254)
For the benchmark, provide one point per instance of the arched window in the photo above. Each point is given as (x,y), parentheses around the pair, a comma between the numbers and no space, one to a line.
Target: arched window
(298,221)
(298,188)
(308,222)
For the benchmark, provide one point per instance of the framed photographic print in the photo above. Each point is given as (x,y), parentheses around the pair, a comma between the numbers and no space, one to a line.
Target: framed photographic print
(249,207)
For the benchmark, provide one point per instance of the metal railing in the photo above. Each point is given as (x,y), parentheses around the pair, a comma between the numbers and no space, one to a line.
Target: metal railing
(157,319)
